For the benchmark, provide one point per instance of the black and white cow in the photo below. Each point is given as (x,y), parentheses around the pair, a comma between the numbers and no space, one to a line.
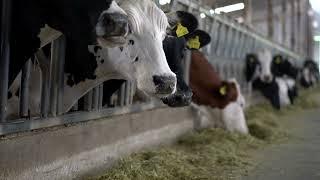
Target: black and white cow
(309,74)
(285,71)
(141,59)
(82,22)
(175,49)
(258,72)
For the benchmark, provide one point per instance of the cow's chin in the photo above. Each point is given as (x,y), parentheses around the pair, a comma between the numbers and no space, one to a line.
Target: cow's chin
(111,42)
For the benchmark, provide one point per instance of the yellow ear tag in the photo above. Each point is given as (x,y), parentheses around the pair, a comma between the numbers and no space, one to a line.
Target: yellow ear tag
(194,43)
(181,30)
(223,90)
(278,60)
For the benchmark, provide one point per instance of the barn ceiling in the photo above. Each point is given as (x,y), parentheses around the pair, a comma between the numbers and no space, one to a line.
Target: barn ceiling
(259,4)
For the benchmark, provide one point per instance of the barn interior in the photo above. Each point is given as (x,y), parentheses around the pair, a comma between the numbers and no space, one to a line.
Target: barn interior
(135,91)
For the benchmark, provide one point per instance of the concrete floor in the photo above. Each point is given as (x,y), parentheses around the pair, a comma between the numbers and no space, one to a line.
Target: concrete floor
(298,159)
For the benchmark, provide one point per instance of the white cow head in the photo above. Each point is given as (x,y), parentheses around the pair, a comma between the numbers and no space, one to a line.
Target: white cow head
(148,24)
(265,59)
(142,58)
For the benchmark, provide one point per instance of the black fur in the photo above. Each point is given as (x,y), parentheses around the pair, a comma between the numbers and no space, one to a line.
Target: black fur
(76,19)
(281,67)
(251,64)
(269,90)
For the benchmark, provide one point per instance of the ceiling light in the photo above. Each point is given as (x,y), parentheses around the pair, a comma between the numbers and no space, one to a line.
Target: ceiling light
(315,4)
(315,24)
(316,38)
(230,8)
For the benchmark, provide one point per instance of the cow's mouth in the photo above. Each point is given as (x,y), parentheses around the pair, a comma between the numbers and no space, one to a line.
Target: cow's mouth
(111,41)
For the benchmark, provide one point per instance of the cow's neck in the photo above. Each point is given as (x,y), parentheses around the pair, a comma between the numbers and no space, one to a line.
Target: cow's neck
(104,72)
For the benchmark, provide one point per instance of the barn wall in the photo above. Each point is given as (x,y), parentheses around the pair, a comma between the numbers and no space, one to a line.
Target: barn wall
(66,153)
(87,149)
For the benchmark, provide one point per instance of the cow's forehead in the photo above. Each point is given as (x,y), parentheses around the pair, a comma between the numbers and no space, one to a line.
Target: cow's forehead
(144,16)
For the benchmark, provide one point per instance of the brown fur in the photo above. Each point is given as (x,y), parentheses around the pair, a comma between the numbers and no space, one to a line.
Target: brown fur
(206,83)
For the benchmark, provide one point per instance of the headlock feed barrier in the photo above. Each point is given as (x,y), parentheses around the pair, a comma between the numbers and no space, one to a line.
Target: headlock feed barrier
(230,43)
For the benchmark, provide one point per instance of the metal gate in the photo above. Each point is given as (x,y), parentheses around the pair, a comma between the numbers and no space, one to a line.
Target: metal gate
(230,43)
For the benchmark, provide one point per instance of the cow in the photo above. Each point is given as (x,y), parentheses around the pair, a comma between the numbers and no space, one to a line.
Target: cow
(286,72)
(208,88)
(309,74)
(82,22)
(175,48)
(258,73)
(141,59)
(233,116)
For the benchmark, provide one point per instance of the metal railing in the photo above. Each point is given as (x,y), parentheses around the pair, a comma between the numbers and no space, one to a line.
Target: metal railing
(230,43)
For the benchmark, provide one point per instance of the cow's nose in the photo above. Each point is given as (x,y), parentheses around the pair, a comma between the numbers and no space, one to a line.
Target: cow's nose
(165,84)
(115,24)
(267,78)
(179,99)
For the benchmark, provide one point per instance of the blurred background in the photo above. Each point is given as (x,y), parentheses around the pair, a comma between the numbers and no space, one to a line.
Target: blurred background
(294,24)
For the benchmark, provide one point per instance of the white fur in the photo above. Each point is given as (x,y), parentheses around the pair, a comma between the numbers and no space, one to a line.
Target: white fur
(233,114)
(283,91)
(265,58)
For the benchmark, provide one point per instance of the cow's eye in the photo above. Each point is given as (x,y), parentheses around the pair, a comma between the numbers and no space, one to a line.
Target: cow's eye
(136,59)
(131,42)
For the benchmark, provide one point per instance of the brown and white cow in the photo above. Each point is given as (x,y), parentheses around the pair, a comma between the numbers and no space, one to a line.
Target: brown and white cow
(207,86)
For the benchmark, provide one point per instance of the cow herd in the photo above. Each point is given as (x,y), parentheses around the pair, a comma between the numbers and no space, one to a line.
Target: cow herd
(277,78)
(108,43)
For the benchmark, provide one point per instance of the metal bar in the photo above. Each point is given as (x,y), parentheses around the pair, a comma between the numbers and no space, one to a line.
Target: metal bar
(100,96)
(228,46)
(60,74)
(221,43)
(88,101)
(214,35)
(133,90)
(24,90)
(187,65)
(122,95)
(44,63)
(54,84)
(128,94)
(76,117)
(4,56)
(95,98)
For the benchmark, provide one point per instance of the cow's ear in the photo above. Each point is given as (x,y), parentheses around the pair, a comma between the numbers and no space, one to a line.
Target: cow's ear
(278,59)
(181,23)
(198,39)
(251,58)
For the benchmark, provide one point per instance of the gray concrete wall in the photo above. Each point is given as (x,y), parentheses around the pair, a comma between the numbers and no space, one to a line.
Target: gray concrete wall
(86,149)
(72,152)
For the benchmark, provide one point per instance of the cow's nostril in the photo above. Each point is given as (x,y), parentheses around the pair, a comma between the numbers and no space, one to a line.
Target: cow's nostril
(165,84)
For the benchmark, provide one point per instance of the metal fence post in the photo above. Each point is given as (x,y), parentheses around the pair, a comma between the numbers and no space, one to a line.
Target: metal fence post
(24,90)
(127,93)
(95,98)
(45,71)
(4,56)
(101,96)
(57,64)
(88,101)
(122,95)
